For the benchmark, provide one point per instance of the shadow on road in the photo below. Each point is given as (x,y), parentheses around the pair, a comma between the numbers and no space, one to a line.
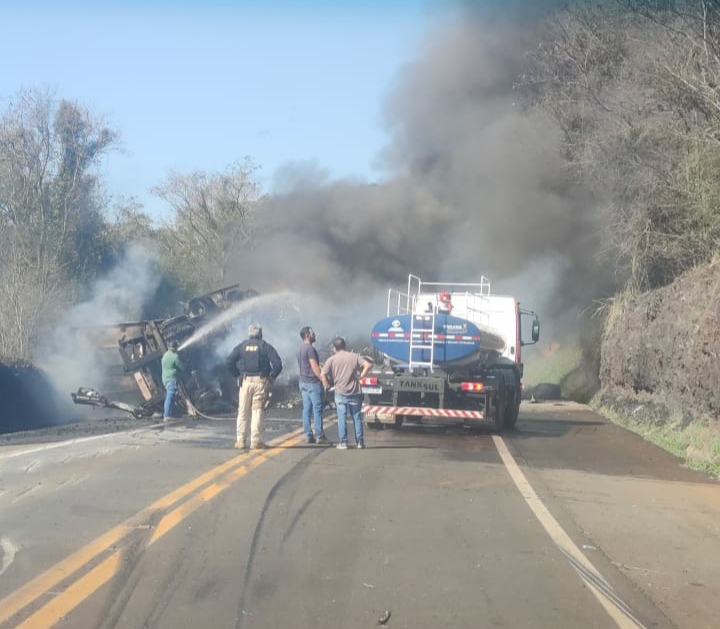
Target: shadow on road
(553,428)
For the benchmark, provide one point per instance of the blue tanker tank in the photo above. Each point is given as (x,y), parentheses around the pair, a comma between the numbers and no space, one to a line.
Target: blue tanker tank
(440,340)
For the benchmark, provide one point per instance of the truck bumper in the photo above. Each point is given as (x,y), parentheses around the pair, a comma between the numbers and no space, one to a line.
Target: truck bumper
(436,415)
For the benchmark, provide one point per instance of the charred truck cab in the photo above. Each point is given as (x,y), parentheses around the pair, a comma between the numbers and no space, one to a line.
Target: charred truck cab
(451,353)
(205,386)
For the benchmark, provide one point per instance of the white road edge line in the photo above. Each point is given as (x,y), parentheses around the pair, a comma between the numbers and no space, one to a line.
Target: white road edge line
(70,442)
(7,553)
(616,608)
(60,444)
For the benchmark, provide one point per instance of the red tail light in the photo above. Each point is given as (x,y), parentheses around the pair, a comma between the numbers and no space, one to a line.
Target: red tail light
(472,386)
(369,382)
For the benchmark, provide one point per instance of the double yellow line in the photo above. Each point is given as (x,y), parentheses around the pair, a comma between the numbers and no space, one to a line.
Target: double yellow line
(212,483)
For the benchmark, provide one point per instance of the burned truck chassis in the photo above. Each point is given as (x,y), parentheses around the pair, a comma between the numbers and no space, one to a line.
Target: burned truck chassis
(205,386)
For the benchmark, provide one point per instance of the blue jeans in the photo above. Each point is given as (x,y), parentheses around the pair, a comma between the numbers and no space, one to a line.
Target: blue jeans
(351,404)
(170,390)
(312,398)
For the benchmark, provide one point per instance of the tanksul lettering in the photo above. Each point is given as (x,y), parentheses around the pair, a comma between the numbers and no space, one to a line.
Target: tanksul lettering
(432,386)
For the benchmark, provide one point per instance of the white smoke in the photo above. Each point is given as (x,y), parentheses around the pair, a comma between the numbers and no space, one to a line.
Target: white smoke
(82,348)
(282,314)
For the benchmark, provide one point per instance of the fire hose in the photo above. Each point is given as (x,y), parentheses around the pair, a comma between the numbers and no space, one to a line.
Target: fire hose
(89,397)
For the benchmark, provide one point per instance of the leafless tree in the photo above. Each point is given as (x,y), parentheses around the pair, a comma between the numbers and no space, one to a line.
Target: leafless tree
(212,217)
(634,86)
(50,210)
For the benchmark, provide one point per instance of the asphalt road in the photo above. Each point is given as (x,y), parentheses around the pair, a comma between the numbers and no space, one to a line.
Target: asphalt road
(566,523)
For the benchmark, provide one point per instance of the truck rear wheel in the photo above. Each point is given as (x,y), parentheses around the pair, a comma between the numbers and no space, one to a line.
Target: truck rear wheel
(512,399)
(511,415)
(499,414)
(512,408)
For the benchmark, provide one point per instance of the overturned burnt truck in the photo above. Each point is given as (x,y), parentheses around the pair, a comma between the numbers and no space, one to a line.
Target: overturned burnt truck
(206,386)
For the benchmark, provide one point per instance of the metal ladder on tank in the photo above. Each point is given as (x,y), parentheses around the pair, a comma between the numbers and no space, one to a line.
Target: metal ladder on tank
(422,338)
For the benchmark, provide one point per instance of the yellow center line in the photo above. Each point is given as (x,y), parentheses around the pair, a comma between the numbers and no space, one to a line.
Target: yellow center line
(172,519)
(65,602)
(25,595)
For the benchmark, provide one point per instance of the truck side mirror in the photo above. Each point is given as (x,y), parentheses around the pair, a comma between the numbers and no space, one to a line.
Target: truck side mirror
(536,330)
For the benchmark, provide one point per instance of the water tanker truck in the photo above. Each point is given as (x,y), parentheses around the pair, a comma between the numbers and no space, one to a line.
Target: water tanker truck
(451,353)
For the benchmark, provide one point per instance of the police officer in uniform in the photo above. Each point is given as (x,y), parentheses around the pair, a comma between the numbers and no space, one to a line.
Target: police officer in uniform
(257,365)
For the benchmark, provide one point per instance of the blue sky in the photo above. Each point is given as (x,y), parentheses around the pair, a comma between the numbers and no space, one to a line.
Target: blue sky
(199,85)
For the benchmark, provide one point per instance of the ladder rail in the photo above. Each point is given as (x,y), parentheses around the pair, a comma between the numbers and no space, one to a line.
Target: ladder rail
(397,303)
(482,287)
(426,337)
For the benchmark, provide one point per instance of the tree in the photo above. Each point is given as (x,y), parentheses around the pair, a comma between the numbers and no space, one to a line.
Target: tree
(213,216)
(51,218)
(633,85)
(685,56)
(129,223)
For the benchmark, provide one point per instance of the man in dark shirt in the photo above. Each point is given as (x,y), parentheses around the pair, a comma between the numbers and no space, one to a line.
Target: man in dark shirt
(311,387)
(257,364)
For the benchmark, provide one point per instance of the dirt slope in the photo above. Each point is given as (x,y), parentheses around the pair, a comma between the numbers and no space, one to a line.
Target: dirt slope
(663,346)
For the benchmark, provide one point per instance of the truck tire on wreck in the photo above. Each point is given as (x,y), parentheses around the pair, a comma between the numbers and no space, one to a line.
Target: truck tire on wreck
(177,329)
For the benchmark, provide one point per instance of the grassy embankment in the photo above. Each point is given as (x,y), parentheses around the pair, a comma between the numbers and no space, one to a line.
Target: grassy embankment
(561,365)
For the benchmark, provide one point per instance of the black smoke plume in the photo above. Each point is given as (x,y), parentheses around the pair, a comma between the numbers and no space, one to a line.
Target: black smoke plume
(476,184)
